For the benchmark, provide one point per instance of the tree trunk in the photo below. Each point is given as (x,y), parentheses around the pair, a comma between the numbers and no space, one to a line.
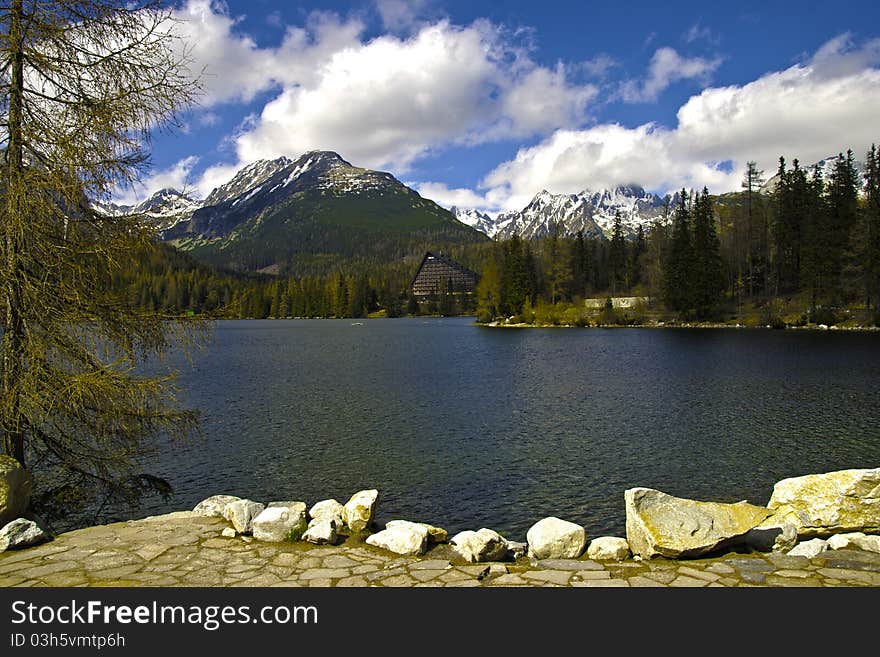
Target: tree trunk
(14,334)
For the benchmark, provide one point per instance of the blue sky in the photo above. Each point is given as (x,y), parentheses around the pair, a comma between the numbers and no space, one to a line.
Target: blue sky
(484,104)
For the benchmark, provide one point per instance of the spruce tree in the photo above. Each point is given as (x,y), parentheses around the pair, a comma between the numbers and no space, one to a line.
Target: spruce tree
(677,281)
(707,278)
(617,260)
(871,222)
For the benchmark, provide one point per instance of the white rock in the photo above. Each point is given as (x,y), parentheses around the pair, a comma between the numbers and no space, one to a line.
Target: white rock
(829,503)
(22,533)
(214,505)
(327,509)
(552,538)
(482,545)
(358,512)
(228,532)
(322,532)
(809,549)
(16,484)
(854,541)
(401,537)
(280,522)
(608,548)
(241,514)
(658,524)
(435,534)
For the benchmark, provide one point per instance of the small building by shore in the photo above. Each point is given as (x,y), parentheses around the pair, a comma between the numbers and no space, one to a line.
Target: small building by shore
(438,274)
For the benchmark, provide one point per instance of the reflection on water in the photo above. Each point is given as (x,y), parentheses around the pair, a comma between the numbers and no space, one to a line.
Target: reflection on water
(468,427)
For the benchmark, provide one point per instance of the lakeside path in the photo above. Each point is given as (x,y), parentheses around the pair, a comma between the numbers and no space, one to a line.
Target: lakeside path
(182,549)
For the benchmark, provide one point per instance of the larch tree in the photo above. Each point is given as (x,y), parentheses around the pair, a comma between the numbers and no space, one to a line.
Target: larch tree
(83,84)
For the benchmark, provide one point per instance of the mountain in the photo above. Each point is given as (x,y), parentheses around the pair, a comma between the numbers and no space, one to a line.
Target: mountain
(826,166)
(591,212)
(307,214)
(168,207)
(476,220)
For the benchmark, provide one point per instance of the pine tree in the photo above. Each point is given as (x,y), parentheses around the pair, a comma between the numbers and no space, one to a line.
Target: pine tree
(83,85)
(871,222)
(752,181)
(617,261)
(677,281)
(707,277)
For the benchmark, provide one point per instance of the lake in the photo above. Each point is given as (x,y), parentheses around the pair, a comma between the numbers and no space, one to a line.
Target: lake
(468,427)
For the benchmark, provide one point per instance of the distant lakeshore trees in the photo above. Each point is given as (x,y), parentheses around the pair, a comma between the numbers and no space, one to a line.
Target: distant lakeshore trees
(810,241)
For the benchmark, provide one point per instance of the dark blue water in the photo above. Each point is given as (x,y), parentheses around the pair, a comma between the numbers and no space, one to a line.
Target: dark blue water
(468,427)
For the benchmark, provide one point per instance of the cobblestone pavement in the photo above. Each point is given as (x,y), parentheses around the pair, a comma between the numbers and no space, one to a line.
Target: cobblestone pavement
(185,550)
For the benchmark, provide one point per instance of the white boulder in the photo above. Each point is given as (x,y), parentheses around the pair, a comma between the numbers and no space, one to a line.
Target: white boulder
(241,514)
(402,537)
(608,548)
(16,484)
(553,538)
(674,527)
(322,532)
(482,545)
(280,521)
(829,503)
(435,534)
(214,506)
(360,509)
(326,510)
(22,533)
(809,549)
(854,541)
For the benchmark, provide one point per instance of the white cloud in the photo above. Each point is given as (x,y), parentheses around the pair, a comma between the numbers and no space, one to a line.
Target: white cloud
(399,15)
(177,176)
(599,65)
(806,111)
(454,197)
(667,67)
(699,32)
(385,102)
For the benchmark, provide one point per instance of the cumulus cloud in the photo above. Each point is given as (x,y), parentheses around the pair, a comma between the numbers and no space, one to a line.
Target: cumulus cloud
(455,197)
(399,15)
(177,176)
(667,67)
(808,111)
(385,102)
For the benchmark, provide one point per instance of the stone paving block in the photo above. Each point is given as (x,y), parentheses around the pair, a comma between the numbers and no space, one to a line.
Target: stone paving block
(398,581)
(430,564)
(324,573)
(581,575)
(455,575)
(429,585)
(793,573)
(465,583)
(560,577)
(382,574)
(600,583)
(338,561)
(364,569)
(319,583)
(685,581)
(721,569)
(699,574)
(570,564)
(775,580)
(660,576)
(507,580)
(425,575)
(645,582)
(851,575)
(352,582)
